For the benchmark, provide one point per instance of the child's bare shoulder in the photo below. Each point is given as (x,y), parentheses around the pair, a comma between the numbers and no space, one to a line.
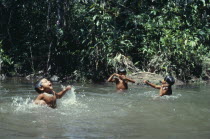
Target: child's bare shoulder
(44,96)
(48,95)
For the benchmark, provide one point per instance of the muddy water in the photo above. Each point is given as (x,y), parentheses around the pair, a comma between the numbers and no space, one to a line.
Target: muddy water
(98,111)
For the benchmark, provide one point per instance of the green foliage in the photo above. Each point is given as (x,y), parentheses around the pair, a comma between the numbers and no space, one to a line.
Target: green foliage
(66,37)
(4,60)
(177,43)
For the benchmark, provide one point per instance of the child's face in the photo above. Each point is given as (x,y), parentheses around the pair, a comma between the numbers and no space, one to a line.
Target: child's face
(46,85)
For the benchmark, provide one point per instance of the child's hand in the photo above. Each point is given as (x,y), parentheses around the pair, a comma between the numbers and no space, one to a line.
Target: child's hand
(68,88)
(145,81)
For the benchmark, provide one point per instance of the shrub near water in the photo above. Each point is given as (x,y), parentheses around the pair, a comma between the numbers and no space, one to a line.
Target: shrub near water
(179,41)
(65,37)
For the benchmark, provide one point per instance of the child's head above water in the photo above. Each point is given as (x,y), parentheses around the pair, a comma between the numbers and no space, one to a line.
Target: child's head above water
(121,71)
(38,84)
(43,85)
(170,80)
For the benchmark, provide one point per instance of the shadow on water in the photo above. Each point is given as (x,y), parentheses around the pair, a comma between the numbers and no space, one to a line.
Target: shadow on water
(98,111)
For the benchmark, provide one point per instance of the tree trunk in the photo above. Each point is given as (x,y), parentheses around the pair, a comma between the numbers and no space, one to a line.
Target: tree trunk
(60,11)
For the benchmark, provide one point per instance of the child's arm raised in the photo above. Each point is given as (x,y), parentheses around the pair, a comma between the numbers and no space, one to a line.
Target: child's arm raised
(63,92)
(130,80)
(123,77)
(111,79)
(152,85)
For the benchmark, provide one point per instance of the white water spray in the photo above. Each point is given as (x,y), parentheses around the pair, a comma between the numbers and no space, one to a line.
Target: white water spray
(70,97)
(23,104)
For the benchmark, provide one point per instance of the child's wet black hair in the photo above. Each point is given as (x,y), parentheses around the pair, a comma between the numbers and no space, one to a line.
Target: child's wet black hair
(170,80)
(121,70)
(37,86)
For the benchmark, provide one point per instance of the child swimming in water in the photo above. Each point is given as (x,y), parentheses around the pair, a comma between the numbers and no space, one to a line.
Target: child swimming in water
(47,96)
(120,79)
(165,88)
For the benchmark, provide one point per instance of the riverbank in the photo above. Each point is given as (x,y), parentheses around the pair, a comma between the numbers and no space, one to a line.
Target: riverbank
(139,77)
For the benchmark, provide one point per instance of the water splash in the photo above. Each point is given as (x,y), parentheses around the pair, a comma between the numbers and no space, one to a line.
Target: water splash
(20,104)
(70,97)
(154,95)
(172,97)
(26,105)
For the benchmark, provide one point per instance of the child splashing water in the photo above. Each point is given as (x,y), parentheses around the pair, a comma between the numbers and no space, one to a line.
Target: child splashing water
(71,97)
(120,79)
(47,96)
(165,87)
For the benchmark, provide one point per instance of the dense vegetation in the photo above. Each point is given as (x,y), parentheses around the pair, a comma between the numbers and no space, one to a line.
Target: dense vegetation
(83,38)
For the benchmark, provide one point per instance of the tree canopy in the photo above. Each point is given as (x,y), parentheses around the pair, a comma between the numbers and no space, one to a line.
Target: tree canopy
(80,38)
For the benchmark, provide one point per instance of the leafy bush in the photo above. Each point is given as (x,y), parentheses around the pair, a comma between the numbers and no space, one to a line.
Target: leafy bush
(66,37)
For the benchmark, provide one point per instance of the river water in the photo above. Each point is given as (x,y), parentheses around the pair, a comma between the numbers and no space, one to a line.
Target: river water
(97,111)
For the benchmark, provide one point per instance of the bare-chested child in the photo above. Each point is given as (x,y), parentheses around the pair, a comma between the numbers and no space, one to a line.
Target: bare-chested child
(165,87)
(120,79)
(47,96)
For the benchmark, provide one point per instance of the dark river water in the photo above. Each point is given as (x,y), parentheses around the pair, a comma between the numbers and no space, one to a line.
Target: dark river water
(97,111)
